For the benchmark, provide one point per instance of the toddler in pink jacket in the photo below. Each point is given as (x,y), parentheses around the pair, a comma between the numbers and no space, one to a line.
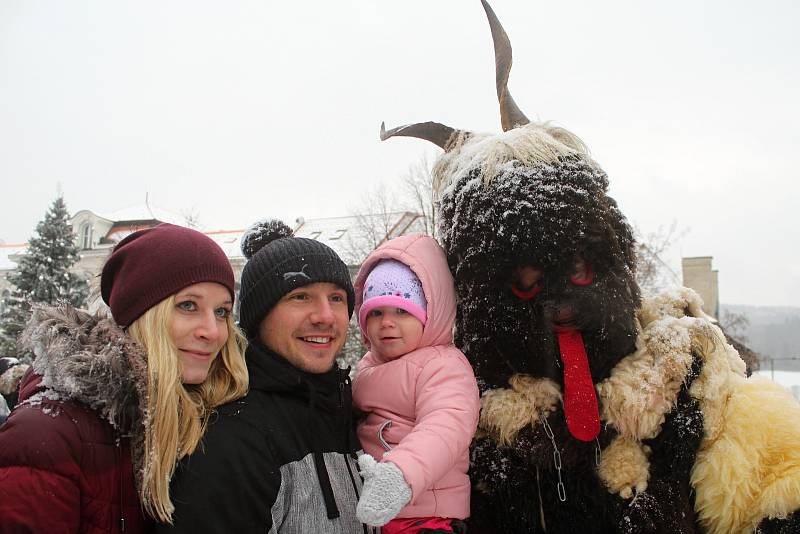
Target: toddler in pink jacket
(417,390)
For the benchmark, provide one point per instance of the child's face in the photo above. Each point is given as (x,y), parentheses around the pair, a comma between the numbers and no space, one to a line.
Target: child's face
(392,332)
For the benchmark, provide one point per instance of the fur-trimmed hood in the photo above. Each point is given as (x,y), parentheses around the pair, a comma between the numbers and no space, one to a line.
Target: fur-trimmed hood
(89,359)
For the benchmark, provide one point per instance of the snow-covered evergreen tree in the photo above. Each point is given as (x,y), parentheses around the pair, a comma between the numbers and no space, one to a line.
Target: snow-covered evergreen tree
(43,275)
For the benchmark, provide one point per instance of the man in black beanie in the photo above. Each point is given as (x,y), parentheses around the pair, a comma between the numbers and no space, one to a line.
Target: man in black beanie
(281,459)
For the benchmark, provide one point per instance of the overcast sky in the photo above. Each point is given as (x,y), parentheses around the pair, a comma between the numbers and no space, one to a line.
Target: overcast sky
(240,110)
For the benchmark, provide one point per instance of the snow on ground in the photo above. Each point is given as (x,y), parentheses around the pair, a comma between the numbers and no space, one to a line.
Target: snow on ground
(788,379)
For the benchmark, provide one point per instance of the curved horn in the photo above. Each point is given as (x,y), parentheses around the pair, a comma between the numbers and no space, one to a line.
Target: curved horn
(436,133)
(510,114)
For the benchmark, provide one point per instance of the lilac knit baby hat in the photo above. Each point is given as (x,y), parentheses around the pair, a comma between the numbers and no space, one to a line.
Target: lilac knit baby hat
(392,283)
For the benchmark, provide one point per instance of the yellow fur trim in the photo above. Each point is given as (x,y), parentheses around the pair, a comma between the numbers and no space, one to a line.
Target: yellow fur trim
(750,470)
(677,302)
(543,393)
(644,386)
(721,367)
(624,468)
(504,412)
(748,465)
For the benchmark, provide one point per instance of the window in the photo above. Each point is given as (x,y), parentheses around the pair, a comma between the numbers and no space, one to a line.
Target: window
(86,236)
(338,234)
(315,235)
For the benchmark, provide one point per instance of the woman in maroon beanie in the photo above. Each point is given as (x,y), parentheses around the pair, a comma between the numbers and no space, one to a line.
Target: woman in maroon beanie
(114,402)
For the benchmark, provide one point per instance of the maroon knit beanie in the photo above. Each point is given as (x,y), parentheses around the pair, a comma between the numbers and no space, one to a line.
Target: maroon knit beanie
(150,265)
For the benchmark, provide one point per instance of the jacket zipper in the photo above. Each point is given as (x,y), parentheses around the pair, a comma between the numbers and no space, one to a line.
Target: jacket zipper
(121,487)
(355,486)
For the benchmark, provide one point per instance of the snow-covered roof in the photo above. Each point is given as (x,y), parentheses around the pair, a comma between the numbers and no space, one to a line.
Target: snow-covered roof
(6,264)
(345,235)
(143,212)
(330,230)
(229,241)
(339,233)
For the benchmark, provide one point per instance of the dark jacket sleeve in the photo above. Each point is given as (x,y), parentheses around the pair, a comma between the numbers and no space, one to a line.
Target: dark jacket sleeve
(39,472)
(228,484)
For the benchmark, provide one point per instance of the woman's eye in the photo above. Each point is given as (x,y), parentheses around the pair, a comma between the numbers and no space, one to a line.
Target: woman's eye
(401,311)
(374,313)
(222,313)
(187,305)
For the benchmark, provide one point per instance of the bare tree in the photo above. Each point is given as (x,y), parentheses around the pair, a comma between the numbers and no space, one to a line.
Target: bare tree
(374,218)
(417,185)
(735,324)
(191,218)
(653,273)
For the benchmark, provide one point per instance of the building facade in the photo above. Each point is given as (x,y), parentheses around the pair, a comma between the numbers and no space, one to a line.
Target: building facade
(352,237)
(700,276)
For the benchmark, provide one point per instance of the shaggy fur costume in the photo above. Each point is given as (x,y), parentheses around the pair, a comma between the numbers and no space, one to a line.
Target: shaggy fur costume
(663,372)
(88,358)
(551,318)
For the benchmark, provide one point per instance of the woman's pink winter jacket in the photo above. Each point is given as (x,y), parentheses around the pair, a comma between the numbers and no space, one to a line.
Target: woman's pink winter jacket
(424,405)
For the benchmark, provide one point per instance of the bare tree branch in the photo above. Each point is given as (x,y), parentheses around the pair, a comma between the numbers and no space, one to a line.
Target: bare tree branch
(191,218)
(373,223)
(653,273)
(417,185)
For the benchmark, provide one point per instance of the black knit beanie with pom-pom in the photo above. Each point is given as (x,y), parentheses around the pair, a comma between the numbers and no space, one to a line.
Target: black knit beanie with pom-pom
(277,263)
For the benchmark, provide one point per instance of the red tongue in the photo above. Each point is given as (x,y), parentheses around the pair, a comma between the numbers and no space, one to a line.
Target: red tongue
(580,400)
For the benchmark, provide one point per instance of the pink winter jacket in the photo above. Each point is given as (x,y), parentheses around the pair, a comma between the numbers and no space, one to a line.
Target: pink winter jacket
(423,404)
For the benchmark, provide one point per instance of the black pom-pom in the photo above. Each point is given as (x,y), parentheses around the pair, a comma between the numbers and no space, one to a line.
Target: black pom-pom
(261,233)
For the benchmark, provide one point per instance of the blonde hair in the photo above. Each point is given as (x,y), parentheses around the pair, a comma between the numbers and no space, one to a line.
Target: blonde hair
(177,414)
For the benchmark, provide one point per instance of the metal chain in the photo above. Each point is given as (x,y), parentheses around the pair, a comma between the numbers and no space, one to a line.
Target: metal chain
(562,492)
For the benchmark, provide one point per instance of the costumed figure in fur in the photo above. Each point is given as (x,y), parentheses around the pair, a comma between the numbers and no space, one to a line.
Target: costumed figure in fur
(601,411)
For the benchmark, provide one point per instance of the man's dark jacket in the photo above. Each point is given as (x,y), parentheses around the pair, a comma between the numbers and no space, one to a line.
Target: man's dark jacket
(281,459)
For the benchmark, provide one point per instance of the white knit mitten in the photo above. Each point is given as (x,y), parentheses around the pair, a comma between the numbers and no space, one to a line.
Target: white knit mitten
(384,493)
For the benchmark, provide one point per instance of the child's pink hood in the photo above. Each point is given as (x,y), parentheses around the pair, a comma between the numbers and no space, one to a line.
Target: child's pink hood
(422,405)
(426,258)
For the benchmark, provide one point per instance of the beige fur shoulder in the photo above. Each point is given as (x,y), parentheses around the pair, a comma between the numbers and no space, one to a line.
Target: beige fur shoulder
(643,387)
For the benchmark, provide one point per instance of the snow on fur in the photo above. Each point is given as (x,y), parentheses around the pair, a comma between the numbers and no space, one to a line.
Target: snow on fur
(89,359)
(261,233)
(530,144)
